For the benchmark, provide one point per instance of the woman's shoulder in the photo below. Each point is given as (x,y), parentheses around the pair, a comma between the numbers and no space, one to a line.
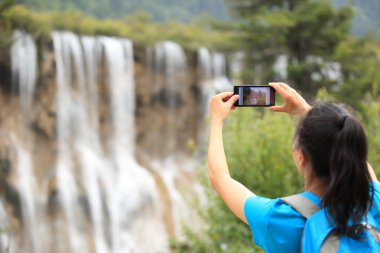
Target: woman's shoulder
(273,222)
(376,197)
(272,213)
(269,206)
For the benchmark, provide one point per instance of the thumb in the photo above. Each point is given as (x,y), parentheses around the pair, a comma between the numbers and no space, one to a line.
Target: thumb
(277,108)
(232,100)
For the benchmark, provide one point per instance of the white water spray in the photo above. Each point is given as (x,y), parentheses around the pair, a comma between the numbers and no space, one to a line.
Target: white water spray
(24,72)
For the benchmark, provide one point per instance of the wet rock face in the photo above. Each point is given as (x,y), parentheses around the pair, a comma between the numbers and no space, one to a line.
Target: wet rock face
(5,69)
(167,103)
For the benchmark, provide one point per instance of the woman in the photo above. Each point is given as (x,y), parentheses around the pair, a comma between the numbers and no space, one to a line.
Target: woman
(329,150)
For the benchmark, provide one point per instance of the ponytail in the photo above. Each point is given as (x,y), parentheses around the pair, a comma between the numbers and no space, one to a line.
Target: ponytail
(336,144)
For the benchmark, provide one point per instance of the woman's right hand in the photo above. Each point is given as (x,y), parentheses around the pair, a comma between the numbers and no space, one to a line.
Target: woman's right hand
(221,105)
(293,104)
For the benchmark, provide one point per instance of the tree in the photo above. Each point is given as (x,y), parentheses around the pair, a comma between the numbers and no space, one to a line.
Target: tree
(5,41)
(160,10)
(307,32)
(5,27)
(360,64)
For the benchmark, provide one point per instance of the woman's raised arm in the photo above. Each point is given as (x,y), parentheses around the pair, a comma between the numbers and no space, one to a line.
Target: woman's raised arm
(233,193)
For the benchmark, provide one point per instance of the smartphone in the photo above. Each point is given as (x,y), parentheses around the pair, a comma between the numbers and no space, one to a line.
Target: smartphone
(255,95)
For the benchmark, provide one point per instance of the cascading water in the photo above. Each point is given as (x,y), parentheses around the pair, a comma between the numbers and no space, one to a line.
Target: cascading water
(4,224)
(170,59)
(169,68)
(89,146)
(212,73)
(112,173)
(68,52)
(205,74)
(236,67)
(88,193)
(212,70)
(99,200)
(220,80)
(24,73)
(280,67)
(204,65)
(206,77)
(24,66)
(132,188)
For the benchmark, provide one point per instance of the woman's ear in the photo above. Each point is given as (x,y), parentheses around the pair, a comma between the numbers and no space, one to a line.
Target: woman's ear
(300,160)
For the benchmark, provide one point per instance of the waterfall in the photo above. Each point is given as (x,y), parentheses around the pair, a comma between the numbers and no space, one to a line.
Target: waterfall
(170,59)
(69,62)
(221,82)
(205,67)
(89,146)
(132,187)
(170,80)
(236,67)
(24,66)
(112,173)
(280,67)
(4,225)
(24,73)
(212,71)
(74,170)
(206,77)
(96,198)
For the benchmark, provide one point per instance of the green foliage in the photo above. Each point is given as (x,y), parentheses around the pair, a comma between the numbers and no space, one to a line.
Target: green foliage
(4,23)
(310,42)
(297,29)
(161,10)
(258,146)
(370,111)
(5,31)
(360,64)
(138,28)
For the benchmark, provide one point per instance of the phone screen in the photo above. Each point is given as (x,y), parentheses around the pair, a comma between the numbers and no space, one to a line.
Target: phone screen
(255,95)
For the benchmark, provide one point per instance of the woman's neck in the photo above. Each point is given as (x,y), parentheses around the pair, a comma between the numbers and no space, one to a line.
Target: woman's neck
(316,185)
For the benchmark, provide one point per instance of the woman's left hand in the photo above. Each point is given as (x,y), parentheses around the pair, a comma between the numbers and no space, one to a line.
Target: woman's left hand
(221,105)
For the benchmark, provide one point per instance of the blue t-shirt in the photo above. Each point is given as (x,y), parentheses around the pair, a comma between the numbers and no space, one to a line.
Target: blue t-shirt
(277,227)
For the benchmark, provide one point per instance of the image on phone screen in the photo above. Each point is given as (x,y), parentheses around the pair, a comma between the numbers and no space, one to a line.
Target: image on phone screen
(254,95)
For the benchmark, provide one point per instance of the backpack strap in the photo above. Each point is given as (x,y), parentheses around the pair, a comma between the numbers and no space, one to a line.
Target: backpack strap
(307,208)
(375,233)
(302,205)
(331,244)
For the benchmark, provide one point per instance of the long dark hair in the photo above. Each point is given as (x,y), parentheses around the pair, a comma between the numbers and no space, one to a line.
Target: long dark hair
(336,145)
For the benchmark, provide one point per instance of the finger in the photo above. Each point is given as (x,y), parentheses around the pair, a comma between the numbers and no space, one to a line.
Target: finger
(285,86)
(277,108)
(232,100)
(279,89)
(225,95)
